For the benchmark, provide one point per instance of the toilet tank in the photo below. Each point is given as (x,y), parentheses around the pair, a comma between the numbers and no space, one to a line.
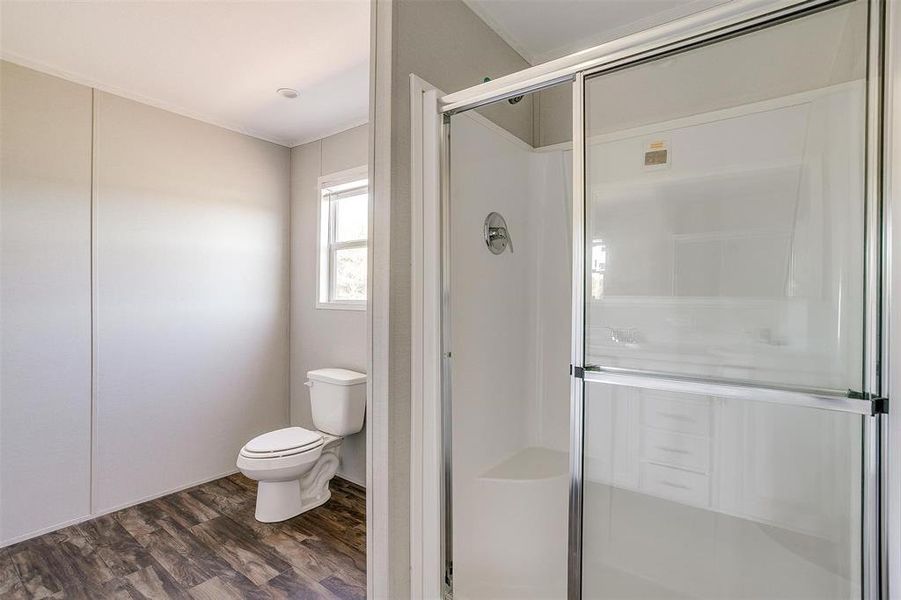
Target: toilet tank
(338,400)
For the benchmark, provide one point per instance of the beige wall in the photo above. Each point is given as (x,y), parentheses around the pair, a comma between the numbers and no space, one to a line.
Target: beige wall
(449,46)
(446,44)
(45,301)
(190,242)
(192,230)
(322,337)
(554,116)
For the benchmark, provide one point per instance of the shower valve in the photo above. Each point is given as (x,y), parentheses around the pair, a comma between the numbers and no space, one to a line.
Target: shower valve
(497,237)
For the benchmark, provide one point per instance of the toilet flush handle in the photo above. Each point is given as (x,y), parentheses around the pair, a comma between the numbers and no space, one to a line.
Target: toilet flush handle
(308,383)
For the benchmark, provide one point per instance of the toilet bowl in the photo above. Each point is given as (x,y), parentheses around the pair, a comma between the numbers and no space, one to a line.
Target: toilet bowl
(293,466)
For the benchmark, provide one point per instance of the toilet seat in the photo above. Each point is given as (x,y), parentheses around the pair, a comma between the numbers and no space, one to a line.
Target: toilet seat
(289,441)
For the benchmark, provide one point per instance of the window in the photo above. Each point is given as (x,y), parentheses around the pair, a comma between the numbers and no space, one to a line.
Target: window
(343,240)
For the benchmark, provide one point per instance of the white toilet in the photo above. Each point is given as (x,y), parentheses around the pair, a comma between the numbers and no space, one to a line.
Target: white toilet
(294,465)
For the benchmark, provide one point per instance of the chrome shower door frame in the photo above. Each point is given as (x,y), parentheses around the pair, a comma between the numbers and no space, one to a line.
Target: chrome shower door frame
(577,360)
(708,27)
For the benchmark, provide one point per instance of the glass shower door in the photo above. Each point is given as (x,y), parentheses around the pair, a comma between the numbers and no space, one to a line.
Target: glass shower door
(724,318)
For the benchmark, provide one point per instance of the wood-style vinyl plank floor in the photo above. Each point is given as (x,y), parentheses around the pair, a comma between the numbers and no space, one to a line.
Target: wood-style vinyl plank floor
(201,543)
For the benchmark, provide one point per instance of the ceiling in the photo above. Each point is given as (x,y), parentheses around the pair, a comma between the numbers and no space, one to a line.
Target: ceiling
(220,62)
(542,30)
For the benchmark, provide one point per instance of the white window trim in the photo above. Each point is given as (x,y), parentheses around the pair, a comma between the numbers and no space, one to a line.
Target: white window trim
(322,242)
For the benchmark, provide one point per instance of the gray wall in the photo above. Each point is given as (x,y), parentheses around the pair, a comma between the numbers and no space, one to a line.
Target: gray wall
(190,243)
(553,116)
(45,301)
(322,337)
(449,46)
(445,43)
(192,233)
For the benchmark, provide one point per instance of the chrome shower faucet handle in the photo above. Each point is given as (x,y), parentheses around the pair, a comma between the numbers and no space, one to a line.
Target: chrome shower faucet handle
(497,236)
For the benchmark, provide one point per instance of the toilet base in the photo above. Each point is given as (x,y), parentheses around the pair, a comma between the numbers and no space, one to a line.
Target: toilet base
(282,500)
(278,500)
(318,501)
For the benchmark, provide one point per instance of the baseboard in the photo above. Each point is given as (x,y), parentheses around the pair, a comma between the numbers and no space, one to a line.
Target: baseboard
(82,519)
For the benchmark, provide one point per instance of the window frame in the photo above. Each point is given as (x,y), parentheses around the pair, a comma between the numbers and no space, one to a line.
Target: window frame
(326,246)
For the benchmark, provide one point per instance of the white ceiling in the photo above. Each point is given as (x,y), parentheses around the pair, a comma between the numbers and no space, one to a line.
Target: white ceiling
(219,62)
(542,30)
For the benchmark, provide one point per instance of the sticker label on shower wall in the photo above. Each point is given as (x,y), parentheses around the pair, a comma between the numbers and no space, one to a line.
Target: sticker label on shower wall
(656,154)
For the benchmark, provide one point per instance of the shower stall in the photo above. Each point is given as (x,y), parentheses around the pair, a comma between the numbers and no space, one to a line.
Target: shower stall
(650,322)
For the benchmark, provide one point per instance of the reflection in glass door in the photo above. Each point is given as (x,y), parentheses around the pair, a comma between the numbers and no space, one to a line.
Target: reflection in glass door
(724,318)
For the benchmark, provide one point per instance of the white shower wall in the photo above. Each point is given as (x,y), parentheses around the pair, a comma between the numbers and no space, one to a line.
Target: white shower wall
(551,203)
(511,313)
(510,318)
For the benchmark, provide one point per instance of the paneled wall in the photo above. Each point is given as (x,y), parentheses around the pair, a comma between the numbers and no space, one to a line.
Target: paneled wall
(322,337)
(45,301)
(190,293)
(192,298)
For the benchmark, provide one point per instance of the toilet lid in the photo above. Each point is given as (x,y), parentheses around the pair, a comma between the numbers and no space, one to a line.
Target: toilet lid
(281,440)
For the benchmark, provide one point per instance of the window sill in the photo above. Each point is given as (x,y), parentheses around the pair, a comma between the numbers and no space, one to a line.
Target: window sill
(341,306)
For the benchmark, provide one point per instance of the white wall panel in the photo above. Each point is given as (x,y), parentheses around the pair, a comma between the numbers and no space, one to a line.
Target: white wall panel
(192,298)
(45,301)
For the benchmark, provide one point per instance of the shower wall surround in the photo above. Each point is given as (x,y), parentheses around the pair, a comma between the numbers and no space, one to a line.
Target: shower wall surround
(511,340)
(154,249)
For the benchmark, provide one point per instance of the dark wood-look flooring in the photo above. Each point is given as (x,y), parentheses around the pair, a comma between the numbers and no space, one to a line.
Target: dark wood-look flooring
(201,543)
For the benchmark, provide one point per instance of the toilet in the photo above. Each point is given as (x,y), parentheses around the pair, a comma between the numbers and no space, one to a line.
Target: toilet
(295,465)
